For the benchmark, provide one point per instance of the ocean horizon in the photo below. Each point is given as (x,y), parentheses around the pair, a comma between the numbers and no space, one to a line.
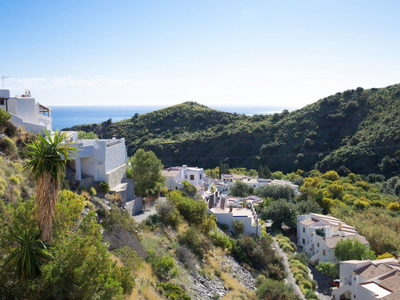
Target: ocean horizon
(68,116)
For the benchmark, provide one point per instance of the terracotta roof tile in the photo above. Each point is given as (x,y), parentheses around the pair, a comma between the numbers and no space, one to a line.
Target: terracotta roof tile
(308,222)
(392,283)
(332,241)
(372,271)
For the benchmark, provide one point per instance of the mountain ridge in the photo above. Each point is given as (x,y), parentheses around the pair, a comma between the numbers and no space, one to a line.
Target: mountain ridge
(352,130)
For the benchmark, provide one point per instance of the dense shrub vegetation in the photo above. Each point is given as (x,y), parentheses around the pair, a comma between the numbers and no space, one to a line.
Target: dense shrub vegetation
(356,130)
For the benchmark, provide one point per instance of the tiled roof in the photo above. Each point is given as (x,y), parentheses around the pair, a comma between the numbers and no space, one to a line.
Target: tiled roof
(392,283)
(372,271)
(308,222)
(332,241)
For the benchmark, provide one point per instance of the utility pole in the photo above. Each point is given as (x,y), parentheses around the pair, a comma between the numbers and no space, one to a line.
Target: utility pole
(2,81)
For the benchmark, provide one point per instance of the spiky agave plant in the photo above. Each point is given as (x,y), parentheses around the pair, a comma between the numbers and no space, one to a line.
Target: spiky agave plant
(28,255)
(49,155)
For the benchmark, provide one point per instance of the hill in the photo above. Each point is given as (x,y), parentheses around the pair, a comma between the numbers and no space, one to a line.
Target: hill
(350,131)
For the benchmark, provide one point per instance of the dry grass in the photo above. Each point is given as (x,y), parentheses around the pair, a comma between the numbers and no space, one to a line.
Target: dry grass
(145,285)
(236,290)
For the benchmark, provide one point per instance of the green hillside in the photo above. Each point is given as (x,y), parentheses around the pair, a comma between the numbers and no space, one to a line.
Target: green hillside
(353,130)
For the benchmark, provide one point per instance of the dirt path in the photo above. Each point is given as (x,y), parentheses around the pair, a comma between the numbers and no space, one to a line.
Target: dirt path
(290,278)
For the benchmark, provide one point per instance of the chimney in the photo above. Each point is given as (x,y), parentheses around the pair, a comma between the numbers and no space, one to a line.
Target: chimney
(184,166)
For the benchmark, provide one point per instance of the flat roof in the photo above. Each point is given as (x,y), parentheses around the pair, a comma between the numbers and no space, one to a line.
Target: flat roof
(378,291)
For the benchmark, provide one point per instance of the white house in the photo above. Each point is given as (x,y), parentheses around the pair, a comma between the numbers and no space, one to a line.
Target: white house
(26,112)
(318,235)
(176,175)
(103,159)
(256,182)
(367,280)
(226,214)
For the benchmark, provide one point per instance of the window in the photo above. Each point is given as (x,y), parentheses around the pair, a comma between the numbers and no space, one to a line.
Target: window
(1,101)
(191,177)
(323,252)
(318,245)
(355,296)
(354,279)
(185,176)
(304,241)
(44,111)
(201,176)
(304,229)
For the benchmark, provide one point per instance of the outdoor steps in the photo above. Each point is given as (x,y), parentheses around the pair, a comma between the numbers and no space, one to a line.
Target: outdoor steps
(120,187)
(125,189)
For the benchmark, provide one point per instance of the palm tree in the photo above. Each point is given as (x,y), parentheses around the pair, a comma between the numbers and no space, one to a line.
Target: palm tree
(50,154)
(29,254)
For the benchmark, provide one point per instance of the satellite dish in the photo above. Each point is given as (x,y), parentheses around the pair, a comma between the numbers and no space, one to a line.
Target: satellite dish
(27,93)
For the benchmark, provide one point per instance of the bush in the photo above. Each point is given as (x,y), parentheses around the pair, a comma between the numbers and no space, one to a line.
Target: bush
(310,295)
(152,221)
(306,284)
(173,291)
(186,257)
(8,147)
(168,214)
(221,240)
(224,227)
(104,187)
(287,248)
(238,227)
(87,135)
(161,265)
(129,258)
(195,241)
(302,257)
(92,191)
(298,278)
(272,289)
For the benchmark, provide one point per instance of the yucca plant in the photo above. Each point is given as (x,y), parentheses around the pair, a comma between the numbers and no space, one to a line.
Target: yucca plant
(28,255)
(50,154)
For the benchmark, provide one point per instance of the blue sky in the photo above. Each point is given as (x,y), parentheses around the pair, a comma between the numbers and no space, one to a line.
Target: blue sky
(236,53)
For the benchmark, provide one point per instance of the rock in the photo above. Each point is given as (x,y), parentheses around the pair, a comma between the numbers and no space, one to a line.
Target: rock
(245,278)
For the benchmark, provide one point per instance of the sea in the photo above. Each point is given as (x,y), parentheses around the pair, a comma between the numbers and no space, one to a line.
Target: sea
(68,116)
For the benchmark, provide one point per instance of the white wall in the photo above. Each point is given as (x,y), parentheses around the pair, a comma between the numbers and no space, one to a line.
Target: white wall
(103,163)
(115,155)
(197,173)
(227,218)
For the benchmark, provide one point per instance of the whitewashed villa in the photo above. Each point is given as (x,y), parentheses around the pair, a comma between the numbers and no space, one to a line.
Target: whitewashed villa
(318,235)
(368,280)
(176,175)
(26,112)
(97,159)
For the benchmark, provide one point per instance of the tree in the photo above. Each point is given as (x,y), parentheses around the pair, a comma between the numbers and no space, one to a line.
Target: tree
(352,248)
(47,166)
(240,189)
(328,268)
(264,172)
(189,189)
(280,212)
(308,206)
(275,290)
(275,191)
(223,169)
(146,171)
